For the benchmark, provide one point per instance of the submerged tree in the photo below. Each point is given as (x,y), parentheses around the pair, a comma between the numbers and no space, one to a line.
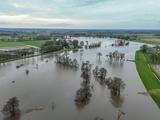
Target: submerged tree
(83,95)
(103,73)
(116,85)
(86,70)
(116,56)
(100,73)
(27,71)
(96,71)
(120,42)
(81,43)
(75,43)
(95,45)
(66,61)
(87,43)
(99,54)
(11,108)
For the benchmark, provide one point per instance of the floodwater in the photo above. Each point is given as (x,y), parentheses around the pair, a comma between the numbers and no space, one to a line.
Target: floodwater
(48,91)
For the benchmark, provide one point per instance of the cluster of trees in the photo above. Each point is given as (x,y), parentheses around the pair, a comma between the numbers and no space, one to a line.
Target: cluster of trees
(116,85)
(153,52)
(144,48)
(120,42)
(66,61)
(123,36)
(83,95)
(75,44)
(95,45)
(86,70)
(155,57)
(116,56)
(100,73)
(51,46)
(56,45)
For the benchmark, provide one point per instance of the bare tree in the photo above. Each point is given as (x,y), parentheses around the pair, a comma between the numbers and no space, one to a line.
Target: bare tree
(81,43)
(99,54)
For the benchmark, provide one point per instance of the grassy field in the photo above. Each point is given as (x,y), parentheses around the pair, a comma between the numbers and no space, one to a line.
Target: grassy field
(151,39)
(37,43)
(150,81)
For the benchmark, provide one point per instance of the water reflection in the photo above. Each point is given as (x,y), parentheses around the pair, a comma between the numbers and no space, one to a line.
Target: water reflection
(99,62)
(83,95)
(81,54)
(27,71)
(117,101)
(4,65)
(12,118)
(64,67)
(115,64)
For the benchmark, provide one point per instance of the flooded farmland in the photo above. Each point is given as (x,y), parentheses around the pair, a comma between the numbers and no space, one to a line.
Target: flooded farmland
(47,91)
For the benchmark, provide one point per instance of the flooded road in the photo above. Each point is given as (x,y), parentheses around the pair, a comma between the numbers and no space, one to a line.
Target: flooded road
(49,90)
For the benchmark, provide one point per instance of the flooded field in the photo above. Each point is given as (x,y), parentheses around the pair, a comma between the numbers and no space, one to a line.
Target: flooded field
(48,91)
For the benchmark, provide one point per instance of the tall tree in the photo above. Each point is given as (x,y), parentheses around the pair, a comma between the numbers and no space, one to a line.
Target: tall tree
(75,43)
(99,54)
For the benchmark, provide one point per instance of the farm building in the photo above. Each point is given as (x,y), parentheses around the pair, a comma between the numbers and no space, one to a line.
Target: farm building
(19,50)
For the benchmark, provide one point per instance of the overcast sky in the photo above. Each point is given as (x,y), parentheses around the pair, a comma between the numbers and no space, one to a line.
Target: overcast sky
(92,14)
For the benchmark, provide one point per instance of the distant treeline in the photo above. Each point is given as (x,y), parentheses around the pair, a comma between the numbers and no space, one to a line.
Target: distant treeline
(48,34)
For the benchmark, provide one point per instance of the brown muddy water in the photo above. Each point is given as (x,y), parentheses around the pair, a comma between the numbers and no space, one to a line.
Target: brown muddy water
(48,91)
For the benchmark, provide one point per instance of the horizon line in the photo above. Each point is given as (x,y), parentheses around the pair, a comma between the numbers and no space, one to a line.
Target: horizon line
(79,28)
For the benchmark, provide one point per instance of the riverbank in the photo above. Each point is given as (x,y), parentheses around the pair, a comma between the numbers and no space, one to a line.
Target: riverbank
(148,77)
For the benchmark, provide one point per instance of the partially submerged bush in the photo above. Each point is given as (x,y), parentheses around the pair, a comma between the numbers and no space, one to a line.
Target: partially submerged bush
(116,86)
(11,108)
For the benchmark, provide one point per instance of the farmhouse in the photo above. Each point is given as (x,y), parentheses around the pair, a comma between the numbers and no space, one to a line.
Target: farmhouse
(19,50)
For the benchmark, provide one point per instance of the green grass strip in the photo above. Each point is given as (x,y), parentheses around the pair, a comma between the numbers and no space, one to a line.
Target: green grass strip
(150,81)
